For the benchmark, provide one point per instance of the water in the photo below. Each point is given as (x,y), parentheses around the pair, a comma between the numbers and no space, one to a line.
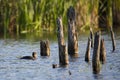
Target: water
(12,68)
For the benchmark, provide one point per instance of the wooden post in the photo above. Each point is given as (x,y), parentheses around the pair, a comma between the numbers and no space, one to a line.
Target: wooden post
(63,55)
(91,37)
(87,55)
(102,52)
(44,48)
(113,39)
(72,33)
(96,54)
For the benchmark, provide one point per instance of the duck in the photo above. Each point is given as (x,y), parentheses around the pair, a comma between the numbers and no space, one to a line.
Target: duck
(54,65)
(33,57)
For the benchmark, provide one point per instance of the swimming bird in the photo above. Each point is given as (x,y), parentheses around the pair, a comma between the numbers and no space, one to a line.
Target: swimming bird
(33,57)
(69,72)
(54,65)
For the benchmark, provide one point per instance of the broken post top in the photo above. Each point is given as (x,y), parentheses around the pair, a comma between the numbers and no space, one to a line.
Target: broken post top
(71,14)
(44,48)
(59,23)
(60,33)
(98,33)
(45,43)
(91,33)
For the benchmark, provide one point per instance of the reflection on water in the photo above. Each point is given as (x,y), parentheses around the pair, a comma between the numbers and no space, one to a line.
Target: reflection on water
(98,76)
(12,68)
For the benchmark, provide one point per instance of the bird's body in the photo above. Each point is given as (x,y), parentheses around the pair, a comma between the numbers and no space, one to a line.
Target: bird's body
(27,57)
(33,57)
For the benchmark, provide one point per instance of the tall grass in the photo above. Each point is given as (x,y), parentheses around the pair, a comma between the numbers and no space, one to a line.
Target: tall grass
(38,15)
(33,15)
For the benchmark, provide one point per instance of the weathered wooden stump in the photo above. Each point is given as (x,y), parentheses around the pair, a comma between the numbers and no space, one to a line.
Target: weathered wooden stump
(102,52)
(91,37)
(96,54)
(44,48)
(72,33)
(63,55)
(113,39)
(87,55)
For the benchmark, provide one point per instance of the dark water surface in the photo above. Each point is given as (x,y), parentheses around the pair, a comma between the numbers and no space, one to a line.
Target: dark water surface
(12,68)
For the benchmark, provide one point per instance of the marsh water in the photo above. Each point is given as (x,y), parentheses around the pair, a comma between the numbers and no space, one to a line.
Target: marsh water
(12,68)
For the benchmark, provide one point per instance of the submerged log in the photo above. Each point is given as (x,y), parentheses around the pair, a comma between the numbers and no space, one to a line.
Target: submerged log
(72,33)
(63,55)
(102,52)
(113,39)
(44,48)
(96,54)
(87,55)
(91,37)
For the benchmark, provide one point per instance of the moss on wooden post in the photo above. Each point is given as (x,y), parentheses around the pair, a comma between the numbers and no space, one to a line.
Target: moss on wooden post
(72,33)
(96,54)
(63,55)
(44,48)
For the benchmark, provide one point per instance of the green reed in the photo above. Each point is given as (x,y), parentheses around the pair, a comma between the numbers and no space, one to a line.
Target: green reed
(38,15)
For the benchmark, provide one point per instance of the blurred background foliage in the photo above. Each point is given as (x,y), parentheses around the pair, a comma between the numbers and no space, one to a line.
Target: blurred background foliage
(23,16)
